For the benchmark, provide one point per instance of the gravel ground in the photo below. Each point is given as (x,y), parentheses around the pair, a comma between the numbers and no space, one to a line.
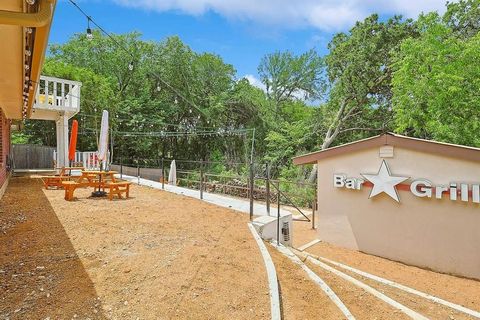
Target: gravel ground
(159,255)
(156,255)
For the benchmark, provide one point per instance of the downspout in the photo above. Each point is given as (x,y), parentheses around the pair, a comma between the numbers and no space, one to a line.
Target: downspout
(35,20)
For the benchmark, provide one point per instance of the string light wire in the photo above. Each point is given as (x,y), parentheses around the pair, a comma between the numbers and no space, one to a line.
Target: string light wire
(118,44)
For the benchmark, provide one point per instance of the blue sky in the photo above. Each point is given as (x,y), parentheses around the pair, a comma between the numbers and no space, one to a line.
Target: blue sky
(241,31)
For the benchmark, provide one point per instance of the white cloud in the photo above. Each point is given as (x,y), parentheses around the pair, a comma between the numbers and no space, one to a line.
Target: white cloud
(327,15)
(254,81)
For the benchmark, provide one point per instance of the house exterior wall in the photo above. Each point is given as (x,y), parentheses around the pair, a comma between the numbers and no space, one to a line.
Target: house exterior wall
(439,234)
(4,148)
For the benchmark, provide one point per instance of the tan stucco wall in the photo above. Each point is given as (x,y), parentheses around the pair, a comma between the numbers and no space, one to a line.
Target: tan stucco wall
(442,235)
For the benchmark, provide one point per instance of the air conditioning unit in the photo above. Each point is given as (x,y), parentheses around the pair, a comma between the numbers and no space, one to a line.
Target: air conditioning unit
(266,227)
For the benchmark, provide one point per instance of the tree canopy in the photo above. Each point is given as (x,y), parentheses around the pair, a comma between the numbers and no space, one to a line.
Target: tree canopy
(417,77)
(436,82)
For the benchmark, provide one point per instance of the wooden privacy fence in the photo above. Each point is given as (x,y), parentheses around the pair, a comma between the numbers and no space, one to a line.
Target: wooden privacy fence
(30,156)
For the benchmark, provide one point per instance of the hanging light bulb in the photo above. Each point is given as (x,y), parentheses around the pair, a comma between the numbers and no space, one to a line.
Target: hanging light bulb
(89,31)
(158,88)
(30,2)
(28,30)
(190,110)
(130,66)
(176,100)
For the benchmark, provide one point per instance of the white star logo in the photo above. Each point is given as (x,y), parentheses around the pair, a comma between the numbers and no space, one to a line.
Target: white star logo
(383,181)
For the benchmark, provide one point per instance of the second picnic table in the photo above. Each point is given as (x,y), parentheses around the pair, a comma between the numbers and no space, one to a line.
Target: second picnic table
(99,180)
(96,179)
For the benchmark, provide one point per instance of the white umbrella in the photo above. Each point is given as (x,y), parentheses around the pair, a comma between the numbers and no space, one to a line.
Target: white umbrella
(172,175)
(103,141)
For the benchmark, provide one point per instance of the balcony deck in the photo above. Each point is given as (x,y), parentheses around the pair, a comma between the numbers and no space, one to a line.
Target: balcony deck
(54,97)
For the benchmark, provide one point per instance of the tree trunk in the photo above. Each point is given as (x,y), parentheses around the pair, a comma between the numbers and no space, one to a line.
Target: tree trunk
(331,135)
(326,143)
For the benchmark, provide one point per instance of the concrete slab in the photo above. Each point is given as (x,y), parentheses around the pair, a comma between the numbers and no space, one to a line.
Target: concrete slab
(308,245)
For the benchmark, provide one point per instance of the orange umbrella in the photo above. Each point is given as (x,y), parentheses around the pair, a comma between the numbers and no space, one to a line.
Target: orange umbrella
(73,141)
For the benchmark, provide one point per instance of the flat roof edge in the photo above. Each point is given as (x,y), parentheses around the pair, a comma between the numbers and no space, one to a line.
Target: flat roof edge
(417,144)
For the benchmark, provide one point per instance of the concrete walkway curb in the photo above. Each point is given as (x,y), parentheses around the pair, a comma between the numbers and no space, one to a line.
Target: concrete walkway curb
(393,284)
(308,245)
(315,278)
(409,312)
(271,274)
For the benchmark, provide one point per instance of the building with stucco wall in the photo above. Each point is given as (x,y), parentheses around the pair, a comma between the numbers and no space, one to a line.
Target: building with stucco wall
(405,199)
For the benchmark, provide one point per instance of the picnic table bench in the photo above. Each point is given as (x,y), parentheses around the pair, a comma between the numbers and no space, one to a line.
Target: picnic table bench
(69,187)
(117,188)
(56,181)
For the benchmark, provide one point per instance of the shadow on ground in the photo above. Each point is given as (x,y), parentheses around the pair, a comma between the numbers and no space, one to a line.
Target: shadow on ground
(41,275)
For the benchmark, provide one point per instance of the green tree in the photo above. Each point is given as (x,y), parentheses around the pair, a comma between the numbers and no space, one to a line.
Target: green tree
(463,18)
(171,88)
(359,73)
(436,84)
(288,77)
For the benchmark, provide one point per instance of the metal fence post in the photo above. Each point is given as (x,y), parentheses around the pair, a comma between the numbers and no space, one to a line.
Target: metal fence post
(163,175)
(314,209)
(138,172)
(278,214)
(251,190)
(121,167)
(267,185)
(201,180)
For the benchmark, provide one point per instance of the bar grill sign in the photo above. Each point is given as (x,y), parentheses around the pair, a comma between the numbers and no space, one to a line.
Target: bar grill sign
(385,182)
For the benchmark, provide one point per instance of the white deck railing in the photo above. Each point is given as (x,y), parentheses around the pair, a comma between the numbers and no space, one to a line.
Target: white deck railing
(58,94)
(88,159)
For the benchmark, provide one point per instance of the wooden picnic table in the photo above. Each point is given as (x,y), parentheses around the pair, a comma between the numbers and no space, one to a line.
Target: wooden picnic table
(99,180)
(96,178)
(65,170)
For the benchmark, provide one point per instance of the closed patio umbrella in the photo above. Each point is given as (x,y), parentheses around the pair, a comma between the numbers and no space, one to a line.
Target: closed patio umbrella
(172,175)
(103,141)
(102,151)
(73,142)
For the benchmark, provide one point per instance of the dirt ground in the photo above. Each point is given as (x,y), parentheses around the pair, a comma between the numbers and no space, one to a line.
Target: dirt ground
(160,255)
(301,298)
(155,256)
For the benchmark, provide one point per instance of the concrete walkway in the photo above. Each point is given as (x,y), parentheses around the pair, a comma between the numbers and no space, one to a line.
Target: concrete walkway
(219,200)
